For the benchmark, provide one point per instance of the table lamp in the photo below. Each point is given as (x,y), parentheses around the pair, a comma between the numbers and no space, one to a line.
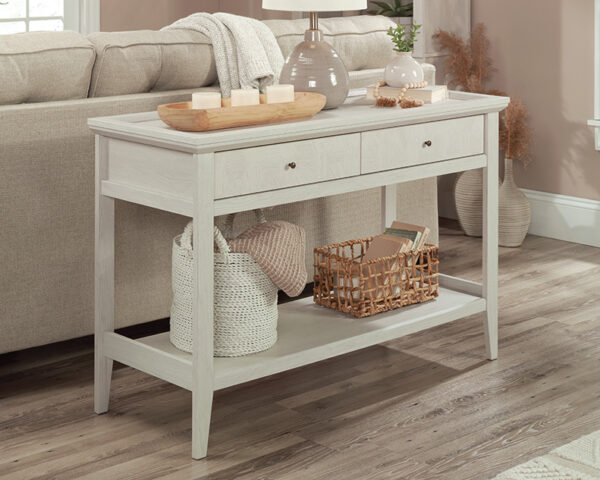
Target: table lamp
(314,66)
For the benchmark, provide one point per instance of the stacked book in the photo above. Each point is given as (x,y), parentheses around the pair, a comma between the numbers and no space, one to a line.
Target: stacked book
(433,94)
(399,238)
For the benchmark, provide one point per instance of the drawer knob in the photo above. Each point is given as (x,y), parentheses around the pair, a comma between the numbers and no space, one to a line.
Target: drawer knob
(427,143)
(292,165)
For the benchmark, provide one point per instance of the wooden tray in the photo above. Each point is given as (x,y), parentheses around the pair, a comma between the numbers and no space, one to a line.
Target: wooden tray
(182,117)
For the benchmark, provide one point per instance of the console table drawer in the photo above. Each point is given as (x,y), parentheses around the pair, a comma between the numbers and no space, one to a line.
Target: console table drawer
(258,169)
(422,143)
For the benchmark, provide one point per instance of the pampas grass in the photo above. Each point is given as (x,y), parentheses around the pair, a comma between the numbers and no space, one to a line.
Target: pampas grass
(460,62)
(515,134)
(469,67)
(481,63)
(469,64)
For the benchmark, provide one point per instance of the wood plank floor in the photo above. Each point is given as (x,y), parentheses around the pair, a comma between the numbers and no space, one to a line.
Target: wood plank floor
(425,407)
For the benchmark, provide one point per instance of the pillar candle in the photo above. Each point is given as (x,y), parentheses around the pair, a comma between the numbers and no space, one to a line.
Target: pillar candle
(204,100)
(241,97)
(280,93)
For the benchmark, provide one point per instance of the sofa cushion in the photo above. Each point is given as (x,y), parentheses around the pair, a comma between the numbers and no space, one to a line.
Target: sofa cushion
(44,66)
(145,61)
(361,41)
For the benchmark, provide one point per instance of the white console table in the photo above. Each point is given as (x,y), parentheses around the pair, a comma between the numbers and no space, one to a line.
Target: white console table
(201,175)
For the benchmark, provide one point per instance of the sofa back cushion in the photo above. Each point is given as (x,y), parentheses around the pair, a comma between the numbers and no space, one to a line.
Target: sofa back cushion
(361,41)
(44,66)
(145,61)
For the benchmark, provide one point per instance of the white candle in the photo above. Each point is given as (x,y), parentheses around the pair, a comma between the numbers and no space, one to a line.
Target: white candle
(241,97)
(280,93)
(204,100)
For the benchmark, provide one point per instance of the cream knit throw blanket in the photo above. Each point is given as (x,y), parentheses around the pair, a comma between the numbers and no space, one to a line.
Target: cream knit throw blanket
(246,51)
(279,248)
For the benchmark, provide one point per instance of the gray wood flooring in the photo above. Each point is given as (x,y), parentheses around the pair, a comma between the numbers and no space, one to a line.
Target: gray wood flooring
(425,407)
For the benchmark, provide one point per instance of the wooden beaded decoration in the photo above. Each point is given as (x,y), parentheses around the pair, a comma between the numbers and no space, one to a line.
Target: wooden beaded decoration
(401,99)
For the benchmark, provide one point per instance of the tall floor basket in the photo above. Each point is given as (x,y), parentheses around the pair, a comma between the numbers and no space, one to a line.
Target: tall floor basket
(245,298)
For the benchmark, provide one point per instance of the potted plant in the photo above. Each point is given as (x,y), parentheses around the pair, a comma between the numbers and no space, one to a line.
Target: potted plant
(403,69)
(397,10)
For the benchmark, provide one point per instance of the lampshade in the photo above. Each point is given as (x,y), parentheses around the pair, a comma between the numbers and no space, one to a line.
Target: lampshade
(314,5)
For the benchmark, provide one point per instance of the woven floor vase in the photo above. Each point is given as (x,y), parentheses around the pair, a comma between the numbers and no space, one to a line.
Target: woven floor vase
(245,300)
(514,210)
(468,198)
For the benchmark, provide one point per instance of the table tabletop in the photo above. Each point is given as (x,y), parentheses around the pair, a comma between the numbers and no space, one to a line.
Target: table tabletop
(357,114)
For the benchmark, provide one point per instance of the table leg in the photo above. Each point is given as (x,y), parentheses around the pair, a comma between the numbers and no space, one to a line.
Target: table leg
(104,276)
(490,235)
(203,241)
(388,206)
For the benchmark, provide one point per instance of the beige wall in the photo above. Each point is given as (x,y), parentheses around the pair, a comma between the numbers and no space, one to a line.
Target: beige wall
(543,50)
(118,15)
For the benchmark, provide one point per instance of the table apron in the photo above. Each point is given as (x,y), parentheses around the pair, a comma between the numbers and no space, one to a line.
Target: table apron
(171,195)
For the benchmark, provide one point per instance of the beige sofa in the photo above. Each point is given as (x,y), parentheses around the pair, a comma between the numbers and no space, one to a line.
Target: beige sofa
(50,84)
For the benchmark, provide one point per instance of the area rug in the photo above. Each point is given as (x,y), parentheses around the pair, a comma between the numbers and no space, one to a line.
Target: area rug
(579,460)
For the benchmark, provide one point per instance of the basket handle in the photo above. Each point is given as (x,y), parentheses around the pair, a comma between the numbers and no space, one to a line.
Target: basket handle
(222,245)
(186,236)
(228,230)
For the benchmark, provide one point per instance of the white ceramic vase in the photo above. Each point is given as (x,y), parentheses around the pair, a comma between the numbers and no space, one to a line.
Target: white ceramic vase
(514,210)
(403,69)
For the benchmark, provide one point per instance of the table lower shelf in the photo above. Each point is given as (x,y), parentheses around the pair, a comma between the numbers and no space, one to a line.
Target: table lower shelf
(307,333)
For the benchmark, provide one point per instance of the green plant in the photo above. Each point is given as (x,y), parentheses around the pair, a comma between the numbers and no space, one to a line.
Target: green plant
(404,37)
(394,9)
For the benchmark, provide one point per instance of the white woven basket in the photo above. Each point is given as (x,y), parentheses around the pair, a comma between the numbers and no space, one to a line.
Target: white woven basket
(245,299)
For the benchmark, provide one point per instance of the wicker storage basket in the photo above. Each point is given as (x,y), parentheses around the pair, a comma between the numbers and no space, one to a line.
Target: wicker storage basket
(245,299)
(343,283)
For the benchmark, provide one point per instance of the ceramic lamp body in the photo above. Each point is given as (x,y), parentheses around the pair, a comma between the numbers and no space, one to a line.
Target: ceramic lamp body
(314,66)
(402,70)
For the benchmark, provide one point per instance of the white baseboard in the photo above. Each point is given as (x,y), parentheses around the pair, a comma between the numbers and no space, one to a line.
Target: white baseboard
(571,219)
(563,217)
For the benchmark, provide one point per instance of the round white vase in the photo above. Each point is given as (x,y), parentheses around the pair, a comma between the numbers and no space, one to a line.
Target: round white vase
(402,70)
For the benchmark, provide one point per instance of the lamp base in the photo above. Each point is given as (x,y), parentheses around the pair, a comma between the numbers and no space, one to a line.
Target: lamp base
(314,66)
